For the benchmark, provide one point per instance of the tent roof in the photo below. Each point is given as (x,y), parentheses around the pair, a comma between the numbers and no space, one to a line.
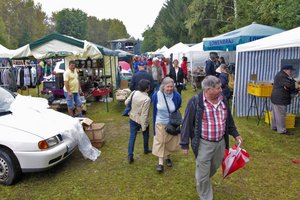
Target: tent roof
(290,38)
(5,52)
(196,47)
(228,41)
(177,48)
(69,40)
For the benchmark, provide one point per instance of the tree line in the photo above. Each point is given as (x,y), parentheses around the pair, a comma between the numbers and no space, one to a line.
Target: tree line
(22,22)
(189,21)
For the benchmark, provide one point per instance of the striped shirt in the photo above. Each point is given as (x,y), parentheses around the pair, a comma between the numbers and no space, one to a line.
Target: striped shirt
(214,120)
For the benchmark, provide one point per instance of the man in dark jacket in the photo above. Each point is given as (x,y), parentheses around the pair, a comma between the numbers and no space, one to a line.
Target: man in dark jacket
(141,74)
(284,85)
(210,68)
(208,122)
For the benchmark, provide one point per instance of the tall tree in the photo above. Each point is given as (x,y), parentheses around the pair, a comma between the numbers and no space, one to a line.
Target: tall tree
(23,20)
(72,22)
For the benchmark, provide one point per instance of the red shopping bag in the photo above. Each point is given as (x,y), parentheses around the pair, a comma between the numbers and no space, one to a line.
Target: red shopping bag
(235,158)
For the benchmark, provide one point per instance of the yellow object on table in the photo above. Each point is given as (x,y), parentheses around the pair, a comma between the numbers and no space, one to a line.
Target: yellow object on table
(290,119)
(260,89)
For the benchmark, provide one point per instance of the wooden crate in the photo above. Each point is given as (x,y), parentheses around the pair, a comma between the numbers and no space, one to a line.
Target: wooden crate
(96,134)
(289,120)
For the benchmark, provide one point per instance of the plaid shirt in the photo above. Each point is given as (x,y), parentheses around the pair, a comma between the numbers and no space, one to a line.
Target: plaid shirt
(214,120)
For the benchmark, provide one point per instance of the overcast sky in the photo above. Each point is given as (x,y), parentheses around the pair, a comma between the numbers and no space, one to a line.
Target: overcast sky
(135,14)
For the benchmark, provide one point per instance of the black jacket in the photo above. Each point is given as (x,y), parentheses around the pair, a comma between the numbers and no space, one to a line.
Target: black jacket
(283,87)
(142,74)
(180,75)
(192,122)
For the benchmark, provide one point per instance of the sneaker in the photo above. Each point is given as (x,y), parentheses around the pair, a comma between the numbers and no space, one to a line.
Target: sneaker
(160,168)
(169,162)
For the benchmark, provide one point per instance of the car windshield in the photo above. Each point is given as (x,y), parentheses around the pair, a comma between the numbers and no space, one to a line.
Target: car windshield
(6,99)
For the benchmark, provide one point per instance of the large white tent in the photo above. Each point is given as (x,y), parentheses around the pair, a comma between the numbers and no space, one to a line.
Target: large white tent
(264,58)
(176,50)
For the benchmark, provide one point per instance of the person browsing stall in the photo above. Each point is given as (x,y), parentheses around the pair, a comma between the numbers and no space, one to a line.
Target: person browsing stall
(284,85)
(208,122)
(72,89)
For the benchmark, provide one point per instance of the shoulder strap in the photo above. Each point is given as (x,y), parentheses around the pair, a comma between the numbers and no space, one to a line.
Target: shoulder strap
(166,102)
(132,96)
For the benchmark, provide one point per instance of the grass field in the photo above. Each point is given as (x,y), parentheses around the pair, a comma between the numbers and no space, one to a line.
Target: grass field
(270,174)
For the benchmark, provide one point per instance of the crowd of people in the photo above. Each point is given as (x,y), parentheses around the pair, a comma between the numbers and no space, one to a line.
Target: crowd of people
(207,121)
(206,125)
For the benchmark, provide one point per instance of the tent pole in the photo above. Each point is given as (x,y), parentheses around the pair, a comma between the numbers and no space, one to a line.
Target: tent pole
(105,82)
(111,78)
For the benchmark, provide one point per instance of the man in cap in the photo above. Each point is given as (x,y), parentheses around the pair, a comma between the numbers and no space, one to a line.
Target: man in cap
(284,85)
(141,74)
(156,72)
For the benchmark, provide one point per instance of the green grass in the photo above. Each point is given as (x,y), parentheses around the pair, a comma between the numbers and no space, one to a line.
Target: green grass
(270,174)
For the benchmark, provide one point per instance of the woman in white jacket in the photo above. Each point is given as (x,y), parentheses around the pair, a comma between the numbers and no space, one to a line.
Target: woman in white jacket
(139,117)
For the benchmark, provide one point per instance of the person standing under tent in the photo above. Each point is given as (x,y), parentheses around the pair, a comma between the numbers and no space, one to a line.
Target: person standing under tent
(210,64)
(208,123)
(284,85)
(72,90)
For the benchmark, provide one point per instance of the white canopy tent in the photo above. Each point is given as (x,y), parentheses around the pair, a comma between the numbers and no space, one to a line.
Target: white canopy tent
(161,50)
(264,58)
(177,50)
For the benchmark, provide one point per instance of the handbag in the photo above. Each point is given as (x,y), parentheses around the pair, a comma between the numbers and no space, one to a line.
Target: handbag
(128,107)
(175,120)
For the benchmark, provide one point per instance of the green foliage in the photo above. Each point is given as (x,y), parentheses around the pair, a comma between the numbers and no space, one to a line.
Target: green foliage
(23,22)
(190,21)
(102,31)
(72,22)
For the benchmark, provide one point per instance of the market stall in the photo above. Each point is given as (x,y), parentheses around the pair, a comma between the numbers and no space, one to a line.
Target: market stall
(264,58)
(95,62)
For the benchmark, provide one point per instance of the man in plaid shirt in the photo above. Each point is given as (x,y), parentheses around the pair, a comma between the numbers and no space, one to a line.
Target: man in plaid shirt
(208,122)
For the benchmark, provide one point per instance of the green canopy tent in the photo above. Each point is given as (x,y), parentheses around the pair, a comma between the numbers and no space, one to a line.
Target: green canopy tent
(56,45)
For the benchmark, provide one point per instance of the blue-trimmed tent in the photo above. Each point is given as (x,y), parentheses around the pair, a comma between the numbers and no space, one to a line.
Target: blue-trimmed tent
(229,41)
(264,58)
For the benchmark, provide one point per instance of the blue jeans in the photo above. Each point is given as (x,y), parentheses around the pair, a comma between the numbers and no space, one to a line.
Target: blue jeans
(134,127)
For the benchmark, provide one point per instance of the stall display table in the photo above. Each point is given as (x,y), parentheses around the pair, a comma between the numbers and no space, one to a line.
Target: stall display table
(259,90)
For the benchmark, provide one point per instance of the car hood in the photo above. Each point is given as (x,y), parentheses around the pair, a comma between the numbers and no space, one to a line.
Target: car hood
(44,124)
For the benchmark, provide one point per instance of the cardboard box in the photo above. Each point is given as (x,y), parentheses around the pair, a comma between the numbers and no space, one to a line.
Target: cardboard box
(95,132)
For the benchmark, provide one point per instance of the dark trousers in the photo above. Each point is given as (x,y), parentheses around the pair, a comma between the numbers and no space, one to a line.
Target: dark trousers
(134,127)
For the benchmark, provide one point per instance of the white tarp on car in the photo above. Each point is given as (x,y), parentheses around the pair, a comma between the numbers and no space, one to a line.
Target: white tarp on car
(50,121)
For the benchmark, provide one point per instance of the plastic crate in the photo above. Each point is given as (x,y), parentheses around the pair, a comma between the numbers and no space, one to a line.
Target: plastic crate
(260,89)
(289,120)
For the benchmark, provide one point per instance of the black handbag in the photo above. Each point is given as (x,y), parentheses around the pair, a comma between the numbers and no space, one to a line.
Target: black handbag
(128,107)
(175,120)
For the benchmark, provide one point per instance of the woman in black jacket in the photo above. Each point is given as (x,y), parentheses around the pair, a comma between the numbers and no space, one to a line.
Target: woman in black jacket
(177,75)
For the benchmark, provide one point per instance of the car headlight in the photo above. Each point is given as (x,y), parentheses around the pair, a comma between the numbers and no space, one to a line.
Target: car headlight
(50,142)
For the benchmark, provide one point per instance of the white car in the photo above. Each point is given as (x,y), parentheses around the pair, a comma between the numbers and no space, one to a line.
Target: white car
(32,143)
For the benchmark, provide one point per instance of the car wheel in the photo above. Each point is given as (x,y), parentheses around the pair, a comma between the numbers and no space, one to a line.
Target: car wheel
(9,167)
